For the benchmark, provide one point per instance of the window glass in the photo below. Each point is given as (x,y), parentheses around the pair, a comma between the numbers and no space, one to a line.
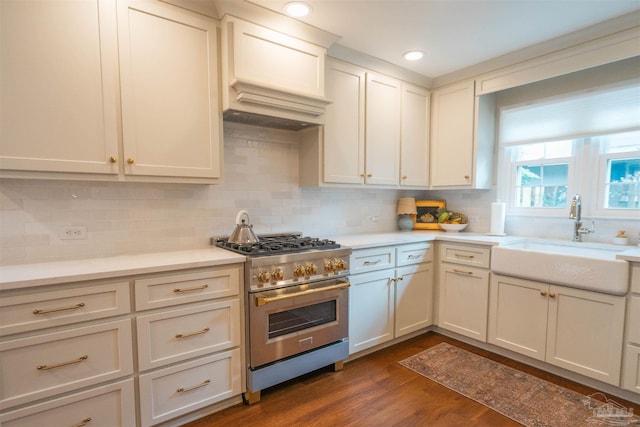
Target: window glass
(544,150)
(623,186)
(542,185)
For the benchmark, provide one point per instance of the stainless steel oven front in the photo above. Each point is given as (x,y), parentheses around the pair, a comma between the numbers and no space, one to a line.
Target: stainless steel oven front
(289,321)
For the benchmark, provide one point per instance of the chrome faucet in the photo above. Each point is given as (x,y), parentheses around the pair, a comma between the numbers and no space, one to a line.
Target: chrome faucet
(576,213)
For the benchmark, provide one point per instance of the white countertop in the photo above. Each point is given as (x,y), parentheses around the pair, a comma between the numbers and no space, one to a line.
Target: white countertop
(49,273)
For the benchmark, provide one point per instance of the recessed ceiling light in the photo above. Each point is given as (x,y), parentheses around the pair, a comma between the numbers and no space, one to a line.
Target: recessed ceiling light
(297,9)
(413,55)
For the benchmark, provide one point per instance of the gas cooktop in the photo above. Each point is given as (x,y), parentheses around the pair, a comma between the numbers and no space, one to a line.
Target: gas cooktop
(277,244)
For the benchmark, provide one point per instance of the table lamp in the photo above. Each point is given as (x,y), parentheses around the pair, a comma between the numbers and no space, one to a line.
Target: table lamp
(406,208)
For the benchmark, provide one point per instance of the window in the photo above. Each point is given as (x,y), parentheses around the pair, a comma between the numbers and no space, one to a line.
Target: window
(585,143)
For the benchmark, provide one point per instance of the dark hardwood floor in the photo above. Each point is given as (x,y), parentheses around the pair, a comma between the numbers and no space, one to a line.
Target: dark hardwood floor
(376,391)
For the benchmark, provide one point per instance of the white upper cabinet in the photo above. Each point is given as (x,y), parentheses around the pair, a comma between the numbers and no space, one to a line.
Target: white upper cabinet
(382,130)
(414,143)
(170,115)
(58,75)
(344,130)
(60,66)
(270,73)
(462,137)
(376,132)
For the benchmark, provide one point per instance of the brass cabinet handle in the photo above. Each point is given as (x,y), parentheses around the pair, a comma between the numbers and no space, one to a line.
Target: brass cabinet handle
(400,278)
(466,177)
(204,331)
(204,383)
(413,256)
(464,256)
(378,261)
(58,365)
(362,175)
(369,175)
(543,293)
(468,273)
(552,295)
(130,161)
(113,159)
(404,177)
(83,422)
(55,310)
(197,288)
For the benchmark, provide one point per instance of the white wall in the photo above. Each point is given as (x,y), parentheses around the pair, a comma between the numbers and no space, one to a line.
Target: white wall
(261,168)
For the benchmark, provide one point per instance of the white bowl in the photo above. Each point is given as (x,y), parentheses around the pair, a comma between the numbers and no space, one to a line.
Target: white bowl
(453,227)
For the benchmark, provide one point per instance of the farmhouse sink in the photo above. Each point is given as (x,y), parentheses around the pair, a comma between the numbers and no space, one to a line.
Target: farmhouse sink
(592,267)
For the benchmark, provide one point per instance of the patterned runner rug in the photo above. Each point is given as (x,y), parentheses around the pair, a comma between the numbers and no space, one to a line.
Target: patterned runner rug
(524,398)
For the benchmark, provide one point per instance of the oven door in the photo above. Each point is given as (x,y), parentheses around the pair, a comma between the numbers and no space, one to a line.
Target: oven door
(288,321)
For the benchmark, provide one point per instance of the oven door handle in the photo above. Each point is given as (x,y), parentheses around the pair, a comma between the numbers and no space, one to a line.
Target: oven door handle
(260,301)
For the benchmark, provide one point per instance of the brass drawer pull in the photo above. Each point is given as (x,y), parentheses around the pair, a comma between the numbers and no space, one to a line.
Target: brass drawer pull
(468,273)
(55,310)
(552,295)
(204,331)
(543,293)
(413,256)
(83,422)
(378,261)
(464,256)
(70,362)
(197,288)
(183,390)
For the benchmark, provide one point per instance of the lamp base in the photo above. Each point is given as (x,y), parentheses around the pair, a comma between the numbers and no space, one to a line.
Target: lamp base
(405,223)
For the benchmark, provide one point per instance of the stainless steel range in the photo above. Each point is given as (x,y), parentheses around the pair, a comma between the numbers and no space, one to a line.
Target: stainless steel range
(297,300)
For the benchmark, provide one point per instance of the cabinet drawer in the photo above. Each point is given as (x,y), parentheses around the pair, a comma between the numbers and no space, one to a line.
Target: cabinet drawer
(633,325)
(43,365)
(365,260)
(176,335)
(182,288)
(414,253)
(23,313)
(106,406)
(477,256)
(635,278)
(174,391)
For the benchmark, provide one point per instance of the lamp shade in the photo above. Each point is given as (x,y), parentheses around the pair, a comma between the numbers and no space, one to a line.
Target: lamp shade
(407,206)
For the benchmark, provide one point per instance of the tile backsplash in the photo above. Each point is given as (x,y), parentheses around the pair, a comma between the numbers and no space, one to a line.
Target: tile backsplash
(260,175)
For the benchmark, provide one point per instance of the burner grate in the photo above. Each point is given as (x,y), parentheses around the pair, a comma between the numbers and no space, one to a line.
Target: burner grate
(278,244)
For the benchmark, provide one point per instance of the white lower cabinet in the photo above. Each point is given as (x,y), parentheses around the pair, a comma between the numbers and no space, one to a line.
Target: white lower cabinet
(112,405)
(170,392)
(389,302)
(463,279)
(67,350)
(44,365)
(577,330)
(631,365)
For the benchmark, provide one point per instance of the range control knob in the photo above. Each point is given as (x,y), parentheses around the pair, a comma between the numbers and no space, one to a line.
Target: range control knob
(277,274)
(298,271)
(264,276)
(339,264)
(311,269)
(329,266)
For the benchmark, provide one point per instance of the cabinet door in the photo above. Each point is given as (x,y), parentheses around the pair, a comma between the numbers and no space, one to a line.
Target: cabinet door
(169,77)
(518,315)
(413,293)
(414,143)
(382,151)
(371,310)
(58,72)
(344,129)
(585,332)
(464,294)
(452,135)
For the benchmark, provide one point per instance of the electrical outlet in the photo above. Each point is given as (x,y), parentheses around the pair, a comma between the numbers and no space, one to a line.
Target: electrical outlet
(73,232)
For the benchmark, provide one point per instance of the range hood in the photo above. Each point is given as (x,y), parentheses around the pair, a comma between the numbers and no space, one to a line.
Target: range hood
(271,78)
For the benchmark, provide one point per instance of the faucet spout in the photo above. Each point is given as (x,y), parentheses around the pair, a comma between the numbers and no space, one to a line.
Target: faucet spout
(576,213)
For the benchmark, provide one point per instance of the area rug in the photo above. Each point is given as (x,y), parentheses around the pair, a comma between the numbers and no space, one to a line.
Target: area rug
(524,398)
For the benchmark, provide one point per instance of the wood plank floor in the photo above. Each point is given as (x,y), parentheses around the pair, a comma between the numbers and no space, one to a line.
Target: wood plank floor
(376,391)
